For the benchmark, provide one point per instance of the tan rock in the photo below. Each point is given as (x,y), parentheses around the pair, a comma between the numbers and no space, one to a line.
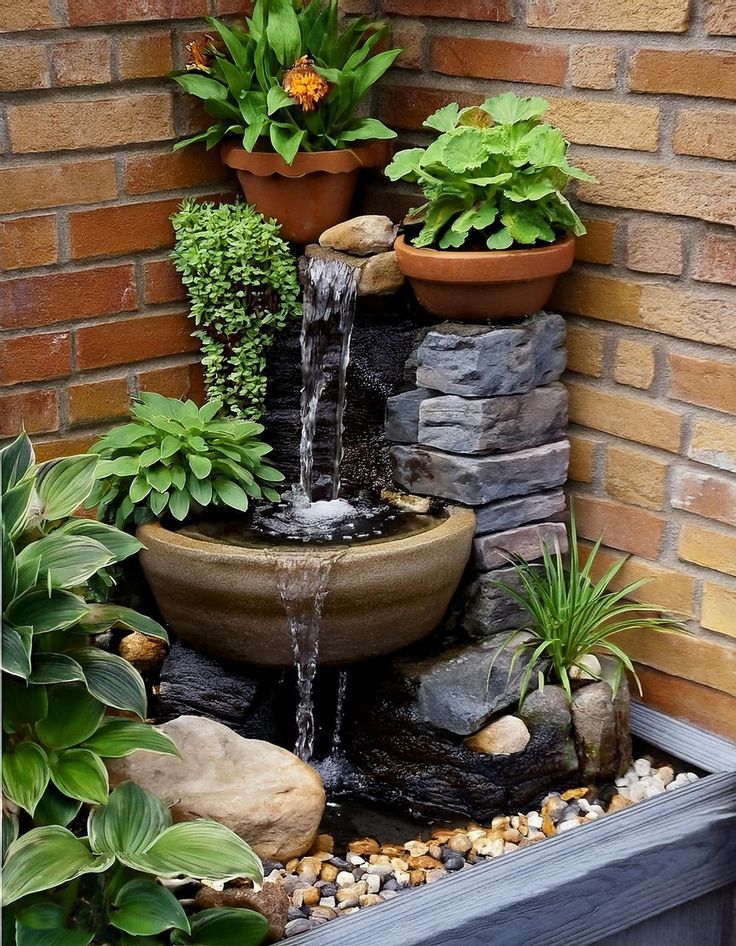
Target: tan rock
(328,873)
(145,653)
(369,899)
(460,843)
(364,847)
(417,877)
(381,275)
(270,901)
(361,236)
(618,802)
(503,736)
(416,848)
(262,792)
(323,843)
(425,862)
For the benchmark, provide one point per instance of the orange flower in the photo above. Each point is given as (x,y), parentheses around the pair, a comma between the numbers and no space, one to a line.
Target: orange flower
(200,56)
(305,85)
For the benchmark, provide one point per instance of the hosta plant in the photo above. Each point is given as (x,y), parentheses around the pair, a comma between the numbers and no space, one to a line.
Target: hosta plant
(293,80)
(177,458)
(57,687)
(69,891)
(572,616)
(241,278)
(494,177)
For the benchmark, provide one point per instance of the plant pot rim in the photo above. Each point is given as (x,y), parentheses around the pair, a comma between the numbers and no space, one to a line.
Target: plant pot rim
(459,519)
(484,266)
(373,153)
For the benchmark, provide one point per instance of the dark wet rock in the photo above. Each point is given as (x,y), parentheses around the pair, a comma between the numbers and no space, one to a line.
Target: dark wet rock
(478,360)
(270,901)
(487,608)
(484,425)
(477,480)
(527,542)
(603,745)
(518,511)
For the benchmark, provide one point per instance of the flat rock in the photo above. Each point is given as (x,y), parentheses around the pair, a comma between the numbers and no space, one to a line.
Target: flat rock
(503,736)
(402,415)
(266,795)
(380,276)
(482,361)
(315,251)
(476,480)
(518,511)
(361,236)
(488,609)
(492,551)
(494,424)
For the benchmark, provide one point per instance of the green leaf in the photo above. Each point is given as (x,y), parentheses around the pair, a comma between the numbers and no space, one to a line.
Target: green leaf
(201,849)
(22,704)
(55,808)
(405,164)
(122,466)
(46,612)
(139,489)
(464,150)
(132,819)
(44,858)
(16,504)
(116,737)
(286,141)
(283,32)
(507,108)
(199,490)
(200,466)
(371,72)
(73,716)
(277,98)
(63,485)
(159,478)
(101,617)
(444,119)
(179,504)
(16,651)
(16,459)
(55,668)
(10,830)
(501,240)
(68,560)
(202,86)
(368,129)
(225,926)
(144,908)
(111,679)
(43,924)
(230,494)
(169,446)
(80,774)
(119,544)
(25,775)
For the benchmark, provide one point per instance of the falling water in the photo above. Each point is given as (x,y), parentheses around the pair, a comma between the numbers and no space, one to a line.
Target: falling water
(330,290)
(342,687)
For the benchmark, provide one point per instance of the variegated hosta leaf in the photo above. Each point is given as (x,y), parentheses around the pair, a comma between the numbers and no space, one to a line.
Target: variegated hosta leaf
(61,561)
(63,485)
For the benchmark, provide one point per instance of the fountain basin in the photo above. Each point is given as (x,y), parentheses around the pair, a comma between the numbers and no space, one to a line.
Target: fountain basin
(382,596)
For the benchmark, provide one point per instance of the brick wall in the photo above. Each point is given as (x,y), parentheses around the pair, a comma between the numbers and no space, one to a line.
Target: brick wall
(645,93)
(91,310)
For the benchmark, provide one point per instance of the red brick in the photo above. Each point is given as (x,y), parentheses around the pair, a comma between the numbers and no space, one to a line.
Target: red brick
(706,133)
(67,295)
(23,67)
(594,67)
(27,242)
(705,494)
(410,36)
(406,106)
(706,382)
(654,16)
(34,411)
(161,282)
(84,62)
(27,15)
(181,381)
(87,12)
(627,528)
(36,186)
(63,447)
(717,260)
(95,401)
(693,72)
(112,231)
(90,123)
(35,357)
(144,55)
(138,339)
(174,170)
(721,19)
(497,59)
(609,124)
(489,11)
(245,7)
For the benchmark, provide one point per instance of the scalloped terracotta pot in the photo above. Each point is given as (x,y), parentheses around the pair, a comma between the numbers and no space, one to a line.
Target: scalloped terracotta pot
(381,596)
(308,196)
(484,284)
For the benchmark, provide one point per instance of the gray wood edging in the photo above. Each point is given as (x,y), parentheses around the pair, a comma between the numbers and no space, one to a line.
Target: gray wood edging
(683,740)
(577,888)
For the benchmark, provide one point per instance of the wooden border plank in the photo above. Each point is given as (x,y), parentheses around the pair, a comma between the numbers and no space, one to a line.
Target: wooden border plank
(683,740)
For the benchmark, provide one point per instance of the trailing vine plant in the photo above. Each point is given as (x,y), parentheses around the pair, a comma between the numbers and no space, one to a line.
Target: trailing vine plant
(243,287)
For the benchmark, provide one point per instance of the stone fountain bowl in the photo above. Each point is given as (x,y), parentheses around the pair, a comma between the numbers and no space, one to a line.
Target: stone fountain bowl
(224,599)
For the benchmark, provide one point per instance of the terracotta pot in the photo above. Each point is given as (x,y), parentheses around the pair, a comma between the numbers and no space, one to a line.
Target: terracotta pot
(484,284)
(308,196)
(381,596)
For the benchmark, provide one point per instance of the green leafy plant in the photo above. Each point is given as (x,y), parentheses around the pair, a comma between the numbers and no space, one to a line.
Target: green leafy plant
(70,891)
(243,288)
(292,81)
(176,458)
(495,176)
(56,686)
(572,617)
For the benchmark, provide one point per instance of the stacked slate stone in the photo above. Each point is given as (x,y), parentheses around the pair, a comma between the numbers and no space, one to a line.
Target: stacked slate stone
(485,427)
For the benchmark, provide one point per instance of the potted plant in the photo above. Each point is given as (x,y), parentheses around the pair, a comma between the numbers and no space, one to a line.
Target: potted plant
(289,88)
(496,230)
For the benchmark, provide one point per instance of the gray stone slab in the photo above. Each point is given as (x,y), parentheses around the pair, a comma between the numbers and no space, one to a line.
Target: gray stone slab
(493,424)
(475,480)
(481,361)
(518,511)
(492,551)
(402,415)
(488,609)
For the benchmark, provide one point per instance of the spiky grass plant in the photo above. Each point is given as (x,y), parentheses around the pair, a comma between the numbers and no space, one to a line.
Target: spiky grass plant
(571,616)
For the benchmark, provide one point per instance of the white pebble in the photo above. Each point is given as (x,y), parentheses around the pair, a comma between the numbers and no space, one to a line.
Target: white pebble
(402,878)
(691,776)
(567,825)
(643,767)
(379,870)
(328,902)
(534,820)
(388,894)
(374,882)
(355,859)
(652,786)
(344,879)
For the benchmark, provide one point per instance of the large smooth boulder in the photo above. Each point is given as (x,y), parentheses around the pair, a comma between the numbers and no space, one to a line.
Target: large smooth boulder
(266,795)
(361,236)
